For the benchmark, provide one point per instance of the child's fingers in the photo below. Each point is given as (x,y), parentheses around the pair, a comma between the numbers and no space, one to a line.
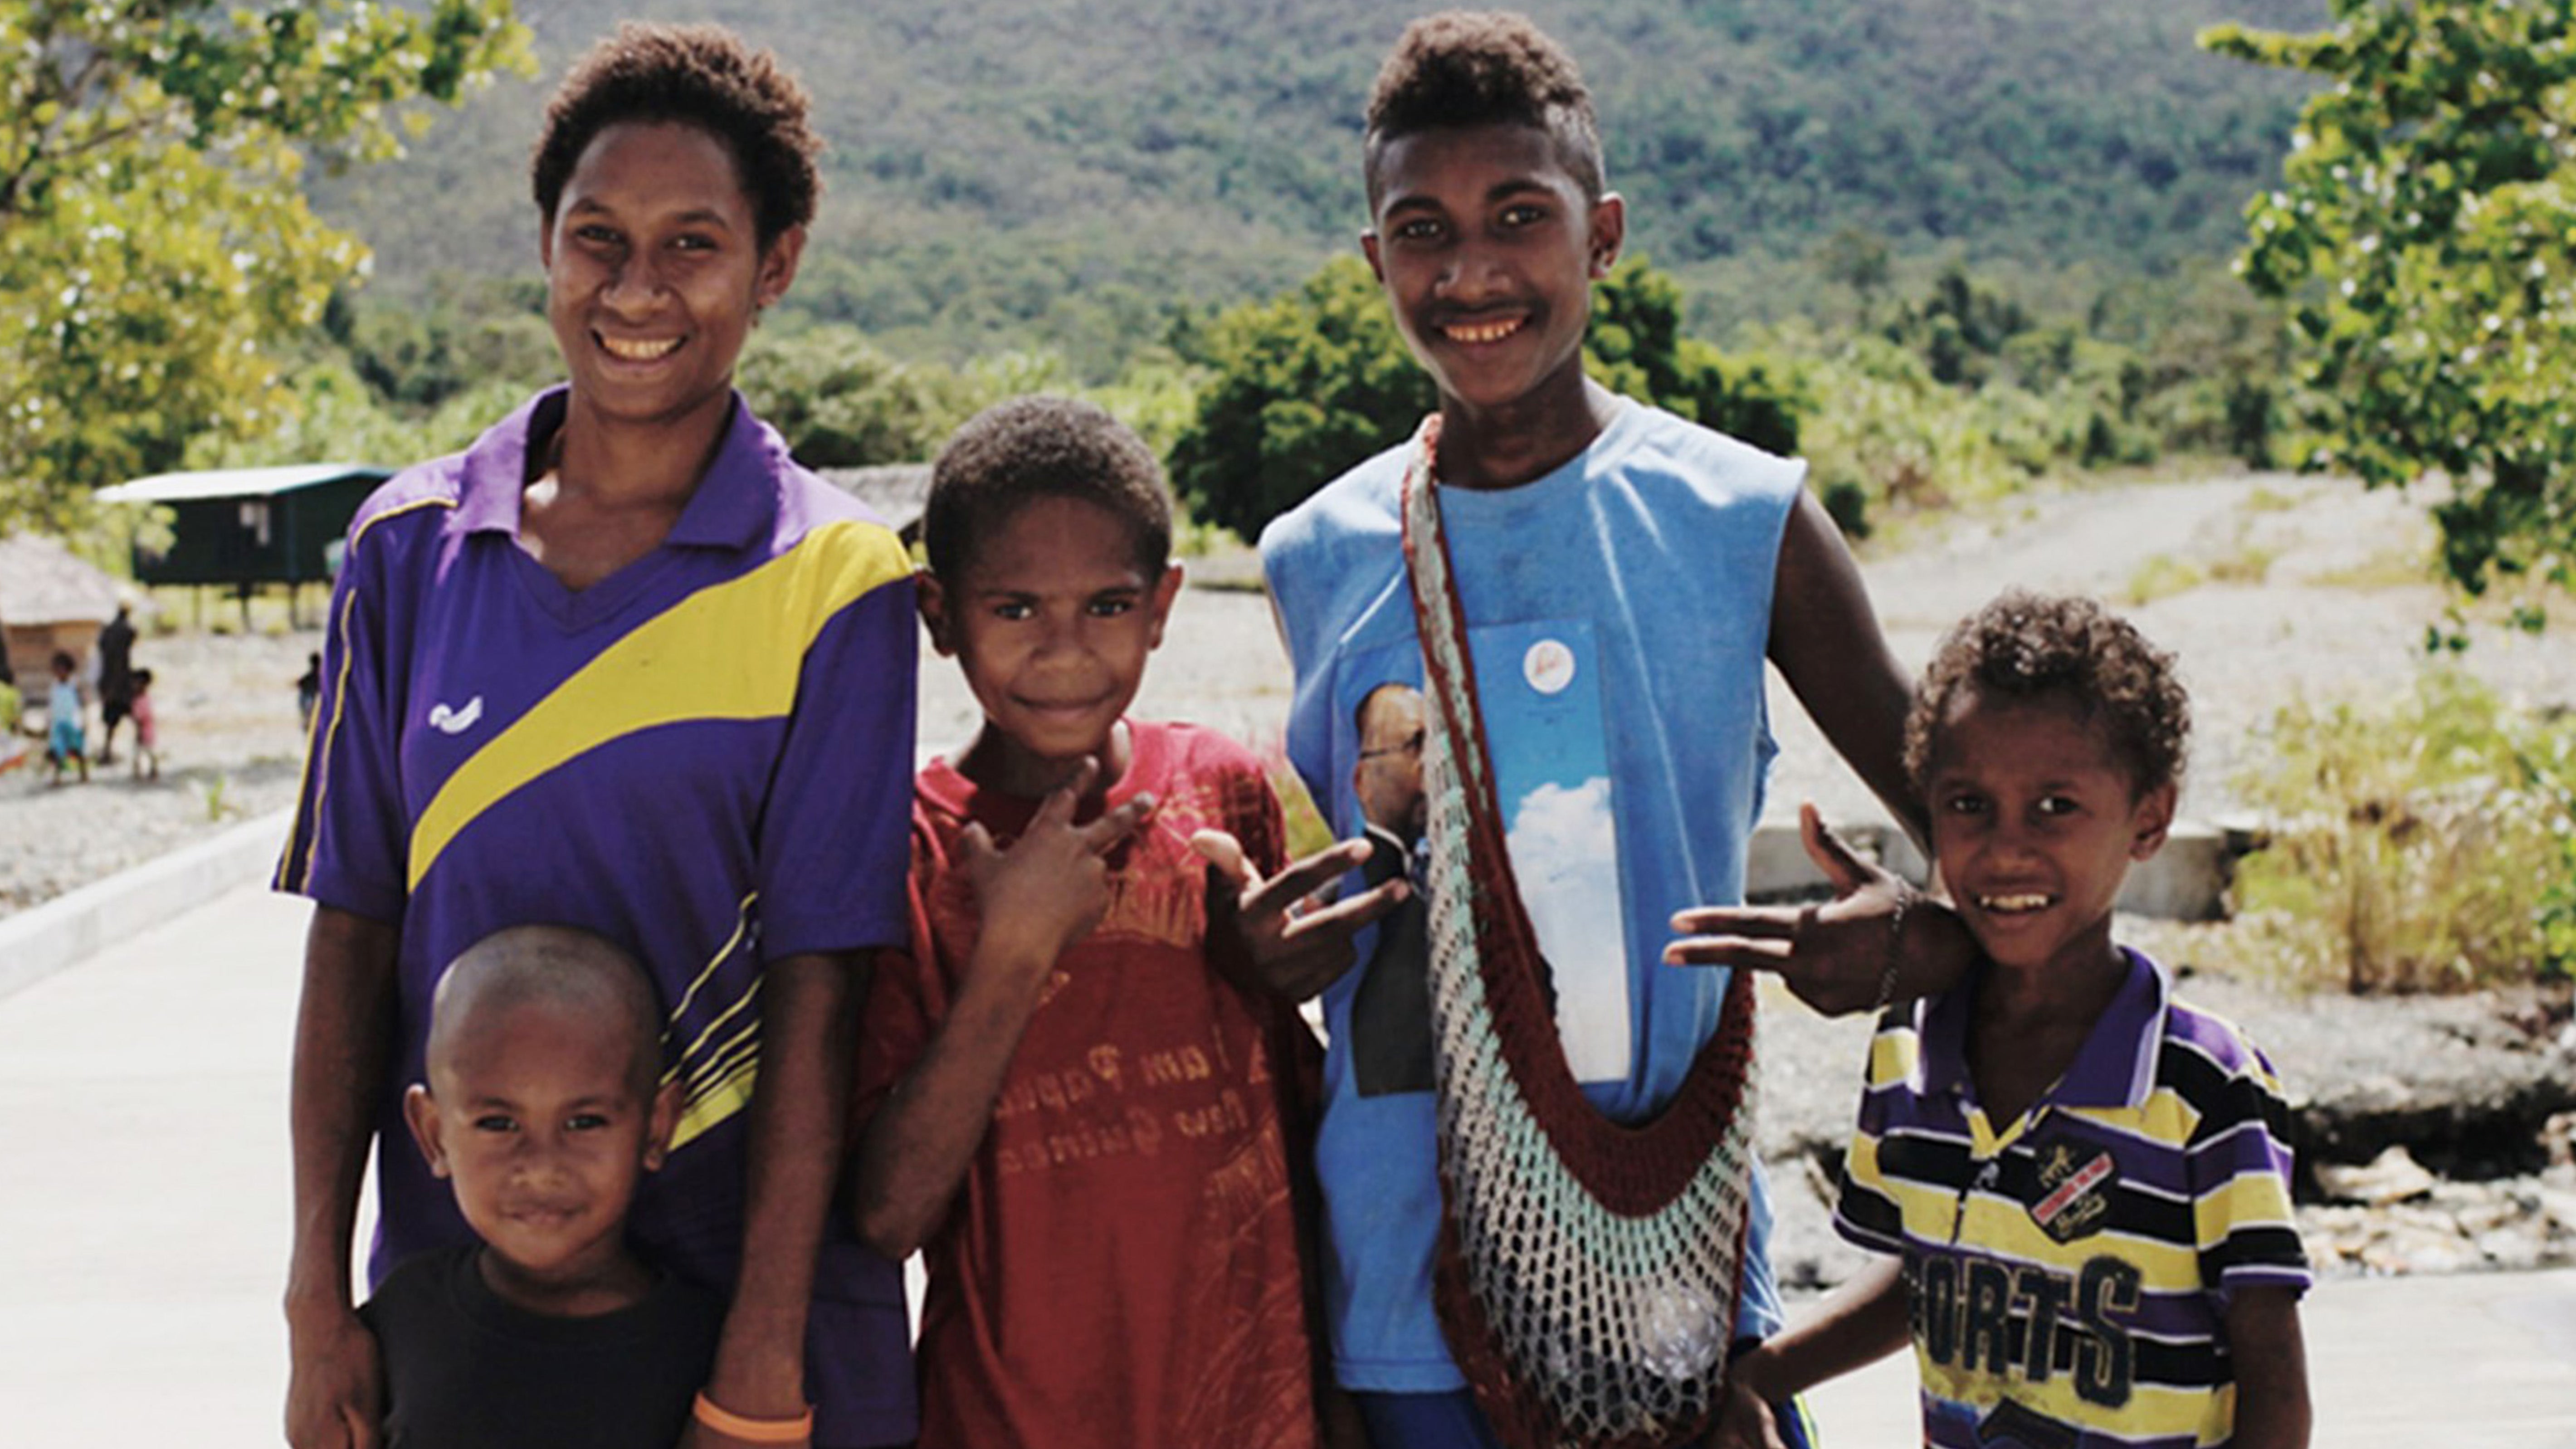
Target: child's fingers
(1758,954)
(1303,878)
(975,844)
(1343,918)
(1058,806)
(1760,922)
(1838,861)
(1116,825)
(1225,853)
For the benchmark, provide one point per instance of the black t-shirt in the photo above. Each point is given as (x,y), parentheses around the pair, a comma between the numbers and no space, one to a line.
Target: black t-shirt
(465,1369)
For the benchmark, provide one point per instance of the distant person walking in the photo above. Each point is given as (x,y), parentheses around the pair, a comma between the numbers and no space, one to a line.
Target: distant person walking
(115,679)
(308,690)
(147,734)
(66,739)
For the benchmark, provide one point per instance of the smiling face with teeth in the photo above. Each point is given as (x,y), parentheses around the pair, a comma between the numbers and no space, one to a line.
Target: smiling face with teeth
(654,272)
(2035,821)
(1487,248)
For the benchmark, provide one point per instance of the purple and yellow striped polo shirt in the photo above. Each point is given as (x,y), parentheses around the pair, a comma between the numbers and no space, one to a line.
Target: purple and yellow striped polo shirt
(2068,1273)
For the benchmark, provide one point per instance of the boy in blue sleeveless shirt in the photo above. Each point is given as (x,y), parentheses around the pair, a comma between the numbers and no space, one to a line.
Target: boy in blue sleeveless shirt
(1622,575)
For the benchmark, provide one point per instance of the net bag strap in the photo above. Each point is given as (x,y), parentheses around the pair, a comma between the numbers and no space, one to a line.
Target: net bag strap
(1588,1270)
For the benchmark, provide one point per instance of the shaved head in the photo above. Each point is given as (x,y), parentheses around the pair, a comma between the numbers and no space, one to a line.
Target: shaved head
(554,966)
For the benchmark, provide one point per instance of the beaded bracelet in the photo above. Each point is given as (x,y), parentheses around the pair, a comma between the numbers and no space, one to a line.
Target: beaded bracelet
(753,1431)
(1895,955)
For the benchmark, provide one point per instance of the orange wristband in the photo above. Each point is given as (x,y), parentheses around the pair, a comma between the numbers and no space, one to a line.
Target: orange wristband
(753,1431)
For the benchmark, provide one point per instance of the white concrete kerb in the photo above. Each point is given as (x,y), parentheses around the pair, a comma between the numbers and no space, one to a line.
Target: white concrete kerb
(37,942)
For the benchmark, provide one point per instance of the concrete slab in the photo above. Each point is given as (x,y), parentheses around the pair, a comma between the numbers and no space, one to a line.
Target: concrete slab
(2393,1363)
(143,1227)
(2185,881)
(44,939)
(143,1232)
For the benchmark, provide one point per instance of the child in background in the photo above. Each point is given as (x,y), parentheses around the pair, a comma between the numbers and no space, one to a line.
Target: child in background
(308,691)
(147,728)
(2079,1180)
(1064,1104)
(66,738)
(546,1103)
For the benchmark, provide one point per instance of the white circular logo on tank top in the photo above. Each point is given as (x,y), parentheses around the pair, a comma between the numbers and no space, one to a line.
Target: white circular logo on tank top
(1548,666)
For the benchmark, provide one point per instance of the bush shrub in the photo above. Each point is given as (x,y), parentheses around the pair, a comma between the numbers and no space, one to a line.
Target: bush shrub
(2423,847)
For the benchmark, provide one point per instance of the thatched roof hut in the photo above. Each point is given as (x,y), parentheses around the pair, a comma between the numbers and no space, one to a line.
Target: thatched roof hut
(49,600)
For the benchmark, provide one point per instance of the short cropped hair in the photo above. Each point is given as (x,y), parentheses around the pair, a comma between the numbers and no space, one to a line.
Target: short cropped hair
(2025,646)
(1042,447)
(698,75)
(1476,68)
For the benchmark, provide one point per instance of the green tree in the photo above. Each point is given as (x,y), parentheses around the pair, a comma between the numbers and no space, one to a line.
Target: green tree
(1311,382)
(1860,259)
(155,245)
(1302,387)
(1636,347)
(839,402)
(2422,235)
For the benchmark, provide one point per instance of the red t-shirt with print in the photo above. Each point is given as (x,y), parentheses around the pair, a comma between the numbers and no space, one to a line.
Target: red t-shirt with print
(1120,1266)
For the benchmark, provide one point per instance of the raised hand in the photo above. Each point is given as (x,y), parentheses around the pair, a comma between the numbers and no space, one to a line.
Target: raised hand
(1877,940)
(1052,885)
(1290,952)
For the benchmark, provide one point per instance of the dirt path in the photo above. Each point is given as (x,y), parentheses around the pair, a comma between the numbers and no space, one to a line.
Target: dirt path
(2309,588)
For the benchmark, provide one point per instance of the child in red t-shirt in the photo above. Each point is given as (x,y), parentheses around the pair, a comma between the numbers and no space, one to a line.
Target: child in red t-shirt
(1084,1123)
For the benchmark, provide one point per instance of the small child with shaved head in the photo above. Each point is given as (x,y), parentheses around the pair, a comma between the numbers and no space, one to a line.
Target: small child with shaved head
(545,1105)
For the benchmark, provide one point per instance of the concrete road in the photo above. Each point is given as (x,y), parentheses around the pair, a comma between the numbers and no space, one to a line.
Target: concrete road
(143,1211)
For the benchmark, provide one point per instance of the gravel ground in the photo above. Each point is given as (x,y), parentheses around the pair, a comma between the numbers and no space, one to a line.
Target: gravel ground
(2318,616)
(2246,648)
(231,748)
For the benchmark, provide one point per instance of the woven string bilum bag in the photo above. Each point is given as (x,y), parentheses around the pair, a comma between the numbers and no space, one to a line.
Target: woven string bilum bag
(1588,1270)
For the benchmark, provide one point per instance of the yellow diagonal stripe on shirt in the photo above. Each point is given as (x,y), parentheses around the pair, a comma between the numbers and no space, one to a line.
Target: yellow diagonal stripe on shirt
(724,1097)
(730,651)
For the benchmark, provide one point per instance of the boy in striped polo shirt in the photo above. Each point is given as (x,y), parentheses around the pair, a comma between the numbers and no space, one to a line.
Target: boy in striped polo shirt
(2081,1182)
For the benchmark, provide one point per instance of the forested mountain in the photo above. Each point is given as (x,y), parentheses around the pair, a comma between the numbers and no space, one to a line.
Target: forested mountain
(1066,172)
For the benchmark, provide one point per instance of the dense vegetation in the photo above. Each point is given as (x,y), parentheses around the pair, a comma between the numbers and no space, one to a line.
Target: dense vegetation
(1024,172)
(1138,199)
(155,243)
(1939,247)
(2421,232)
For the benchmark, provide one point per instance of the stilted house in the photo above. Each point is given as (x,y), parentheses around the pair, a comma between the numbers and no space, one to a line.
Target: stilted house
(250,528)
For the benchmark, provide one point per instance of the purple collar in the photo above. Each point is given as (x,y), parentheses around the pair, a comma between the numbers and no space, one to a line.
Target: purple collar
(2115,1068)
(734,506)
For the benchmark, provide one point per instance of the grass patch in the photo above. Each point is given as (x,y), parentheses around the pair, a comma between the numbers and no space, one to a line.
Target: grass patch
(2394,568)
(2161,576)
(2267,499)
(2246,564)
(2426,846)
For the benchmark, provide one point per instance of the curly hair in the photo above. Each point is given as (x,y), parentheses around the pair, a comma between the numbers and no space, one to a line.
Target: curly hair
(1480,67)
(1015,452)
(700,75)
(2024,646)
